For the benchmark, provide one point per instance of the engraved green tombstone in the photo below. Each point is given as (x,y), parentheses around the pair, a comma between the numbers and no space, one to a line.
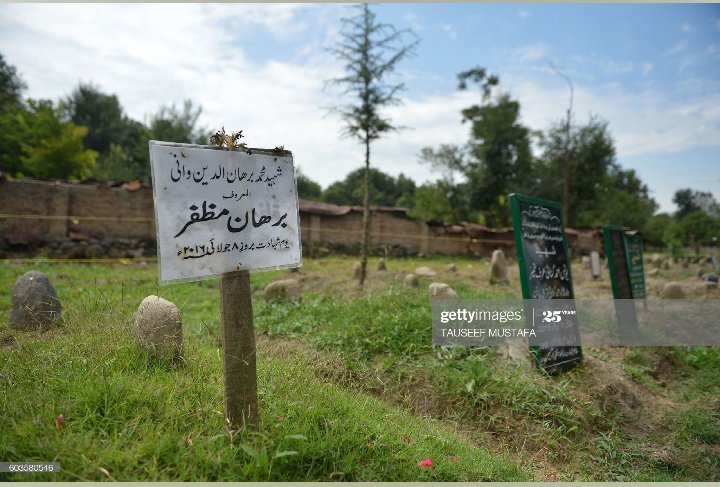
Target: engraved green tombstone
(545,275)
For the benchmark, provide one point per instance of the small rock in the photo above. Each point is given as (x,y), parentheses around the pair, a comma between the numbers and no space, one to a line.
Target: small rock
(672,290)
(411,280)
(440,290)
(451,268)
(700,272)
(685,263)
(425,272)
(710,277)
(498,268)
(34,302)
(158,328)
(666,264)
(282,289)
(586,262)
(656,261)
(381,265)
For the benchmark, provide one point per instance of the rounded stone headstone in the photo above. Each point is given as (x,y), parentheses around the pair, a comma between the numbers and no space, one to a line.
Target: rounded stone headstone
(700,272)
(586,262)
(425,272)
(451,268)
(666,264)
(672,290)
(158,328)
(35,304)
(498,268)
(710,277)
(440,290)
(656,261)
(685,263)
(282,289)
(411,280)
(357,270)
(381,265)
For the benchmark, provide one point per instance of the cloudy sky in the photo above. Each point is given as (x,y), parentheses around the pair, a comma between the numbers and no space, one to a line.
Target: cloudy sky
(651,70)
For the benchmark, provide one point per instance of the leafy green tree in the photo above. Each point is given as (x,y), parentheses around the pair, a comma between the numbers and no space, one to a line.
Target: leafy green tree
(307,188)
(121,141)
(135,148)
(674,238)
(689,201)
(445,200)
(602,191)
(11,87)
(11,103)
(623,200)
(100,113)
(497,159)
(433,203)
(385,190)
(370,52)
(51,148)
(170,124)
(114,166)
(654,229)
(701,226)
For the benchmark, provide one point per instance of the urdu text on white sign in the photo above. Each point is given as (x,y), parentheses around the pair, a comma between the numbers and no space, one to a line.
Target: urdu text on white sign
(220,211)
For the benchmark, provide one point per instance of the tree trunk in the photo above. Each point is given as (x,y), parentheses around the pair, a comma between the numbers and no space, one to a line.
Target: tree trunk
(567,170)
(366,216)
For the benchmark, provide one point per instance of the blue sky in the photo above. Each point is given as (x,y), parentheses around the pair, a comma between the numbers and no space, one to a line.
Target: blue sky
(651,70)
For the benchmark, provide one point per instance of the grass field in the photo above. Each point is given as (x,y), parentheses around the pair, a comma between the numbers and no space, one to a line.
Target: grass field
(349,385)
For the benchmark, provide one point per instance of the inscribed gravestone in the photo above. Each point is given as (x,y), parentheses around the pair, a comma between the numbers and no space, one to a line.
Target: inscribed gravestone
(634,246)
(620,278)
(220,211)
(545,275)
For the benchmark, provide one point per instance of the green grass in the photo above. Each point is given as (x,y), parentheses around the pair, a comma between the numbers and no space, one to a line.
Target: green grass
(130,420)
(348,402)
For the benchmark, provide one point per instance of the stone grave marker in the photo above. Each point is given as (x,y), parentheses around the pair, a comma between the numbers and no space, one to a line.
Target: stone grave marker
(35,304)
(595,263)
(498,268)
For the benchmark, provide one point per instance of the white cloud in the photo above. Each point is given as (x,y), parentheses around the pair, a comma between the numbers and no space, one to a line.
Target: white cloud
(533,52)
(153,54)
(617,67)
(449,30)
(680,46)
(641,123)
(687,28)
(524,13)
(414,22)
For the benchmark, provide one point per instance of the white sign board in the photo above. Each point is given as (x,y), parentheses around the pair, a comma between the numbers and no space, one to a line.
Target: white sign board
(219,211)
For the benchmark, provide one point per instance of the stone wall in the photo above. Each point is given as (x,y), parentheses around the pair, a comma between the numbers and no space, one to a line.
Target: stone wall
(101,220)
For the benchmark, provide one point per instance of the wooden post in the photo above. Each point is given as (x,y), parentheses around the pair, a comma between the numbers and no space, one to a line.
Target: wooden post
(238,342)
